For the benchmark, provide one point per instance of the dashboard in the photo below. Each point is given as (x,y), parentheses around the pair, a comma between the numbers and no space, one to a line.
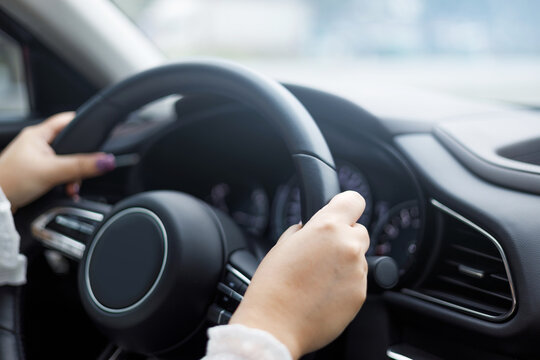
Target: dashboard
(460,241)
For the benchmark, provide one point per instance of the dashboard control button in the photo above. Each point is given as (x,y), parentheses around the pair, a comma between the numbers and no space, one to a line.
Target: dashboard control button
(224,318)
(227,303)
(233,282)
(243,289)
(229,292)
(218,315)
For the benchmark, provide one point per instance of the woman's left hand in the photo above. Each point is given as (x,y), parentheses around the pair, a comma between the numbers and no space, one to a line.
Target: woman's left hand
(29,167)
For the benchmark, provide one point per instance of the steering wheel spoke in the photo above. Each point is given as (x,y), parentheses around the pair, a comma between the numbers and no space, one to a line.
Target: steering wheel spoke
(67,226)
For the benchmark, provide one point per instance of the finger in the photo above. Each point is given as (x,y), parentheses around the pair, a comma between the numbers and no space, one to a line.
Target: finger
(290,231)
(346,207)
(73,189)
(51,127)
(71,168)
(363,235)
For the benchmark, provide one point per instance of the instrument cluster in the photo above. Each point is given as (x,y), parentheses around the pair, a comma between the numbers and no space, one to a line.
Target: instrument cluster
(395,226)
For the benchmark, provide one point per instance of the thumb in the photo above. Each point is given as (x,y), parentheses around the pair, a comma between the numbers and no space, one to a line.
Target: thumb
(74,167)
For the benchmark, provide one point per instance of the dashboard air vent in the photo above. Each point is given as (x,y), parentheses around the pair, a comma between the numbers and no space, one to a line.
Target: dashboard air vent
(472,274)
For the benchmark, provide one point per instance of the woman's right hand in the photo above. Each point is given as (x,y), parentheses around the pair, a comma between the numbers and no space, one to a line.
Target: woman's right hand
(313,282)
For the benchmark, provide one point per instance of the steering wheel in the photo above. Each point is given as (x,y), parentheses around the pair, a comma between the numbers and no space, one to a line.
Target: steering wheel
(159,267)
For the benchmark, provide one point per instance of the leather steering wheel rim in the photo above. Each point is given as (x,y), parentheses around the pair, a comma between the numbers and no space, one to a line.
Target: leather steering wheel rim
(97,117)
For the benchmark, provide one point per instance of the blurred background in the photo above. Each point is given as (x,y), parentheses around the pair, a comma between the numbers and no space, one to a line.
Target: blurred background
(344,28)
(488,49)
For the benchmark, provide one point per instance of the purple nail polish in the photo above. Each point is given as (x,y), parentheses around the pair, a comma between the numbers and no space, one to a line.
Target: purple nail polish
(106,163)
(76,189)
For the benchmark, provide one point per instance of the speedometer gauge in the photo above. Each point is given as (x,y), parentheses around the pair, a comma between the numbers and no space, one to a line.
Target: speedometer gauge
(288,207)
(397,234)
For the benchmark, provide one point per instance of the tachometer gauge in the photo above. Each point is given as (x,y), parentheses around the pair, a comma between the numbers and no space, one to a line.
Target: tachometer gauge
(288,208)
(247,205)
(397,233)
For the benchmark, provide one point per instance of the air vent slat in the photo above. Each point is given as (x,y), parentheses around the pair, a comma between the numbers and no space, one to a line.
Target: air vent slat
(499,277)
(471,274)
(474,288)
(450,298)
(474,252)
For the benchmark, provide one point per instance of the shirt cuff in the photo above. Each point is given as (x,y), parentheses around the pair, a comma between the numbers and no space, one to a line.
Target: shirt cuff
(14,275)
(239,342)
(12,264)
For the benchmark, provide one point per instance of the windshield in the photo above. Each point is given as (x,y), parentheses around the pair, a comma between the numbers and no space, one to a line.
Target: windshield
(478,48)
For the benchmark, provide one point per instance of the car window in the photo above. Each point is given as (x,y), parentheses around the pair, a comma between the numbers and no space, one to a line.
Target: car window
(345,28)
(482,48)
(13,92)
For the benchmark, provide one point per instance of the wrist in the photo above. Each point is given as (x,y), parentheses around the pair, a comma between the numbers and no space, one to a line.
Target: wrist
(254,320)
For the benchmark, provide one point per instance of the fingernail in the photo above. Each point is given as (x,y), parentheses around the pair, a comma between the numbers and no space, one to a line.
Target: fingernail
(76,188)
(106,162)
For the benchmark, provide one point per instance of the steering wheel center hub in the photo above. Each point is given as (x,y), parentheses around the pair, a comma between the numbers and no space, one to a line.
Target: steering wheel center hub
(137,275)
(126,260)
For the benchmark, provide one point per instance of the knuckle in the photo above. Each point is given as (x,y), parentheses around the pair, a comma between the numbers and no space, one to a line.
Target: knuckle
(363,267)
(362,235)
(327,226)
(352,251)
(367,241)
(362,230)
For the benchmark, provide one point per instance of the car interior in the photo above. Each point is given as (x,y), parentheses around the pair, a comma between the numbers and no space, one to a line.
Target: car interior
(226,158)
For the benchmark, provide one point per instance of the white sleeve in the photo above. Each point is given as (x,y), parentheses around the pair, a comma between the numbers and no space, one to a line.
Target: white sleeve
(238,342)
(12,264)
